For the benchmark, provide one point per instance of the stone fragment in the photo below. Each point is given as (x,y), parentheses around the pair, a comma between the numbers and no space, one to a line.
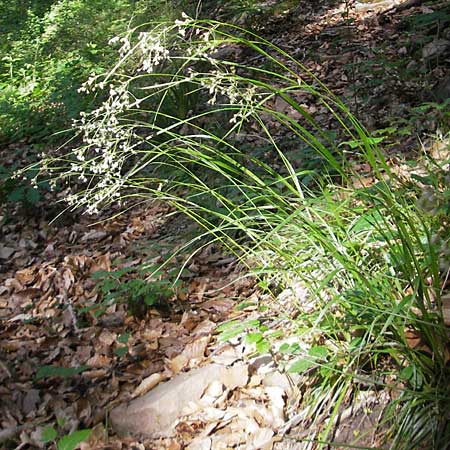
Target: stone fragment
(436,49)
(154,414)
(441,92)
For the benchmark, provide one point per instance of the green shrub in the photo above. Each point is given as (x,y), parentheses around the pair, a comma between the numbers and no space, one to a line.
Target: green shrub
(49,48)
(24,190)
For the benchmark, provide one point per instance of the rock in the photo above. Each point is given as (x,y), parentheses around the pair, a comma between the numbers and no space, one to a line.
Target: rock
(436,49)
(154,414)
(374,6)
(441,92)
(6,252)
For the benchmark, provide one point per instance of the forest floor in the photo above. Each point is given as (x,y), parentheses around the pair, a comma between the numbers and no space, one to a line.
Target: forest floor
(383,65)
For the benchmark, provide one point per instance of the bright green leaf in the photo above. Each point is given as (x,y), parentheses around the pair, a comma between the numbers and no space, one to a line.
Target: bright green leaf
(263,346)
(61,421)
(234,328)
(285,348)
(123,338)
(244,305)
(48,434)
(120,351)
(359,143)
(231,333)
(355,343)
(252,338)
(70,441)
(407,373)
(150,299)
(99,274)
(319,352)
(228,325)
(301,365)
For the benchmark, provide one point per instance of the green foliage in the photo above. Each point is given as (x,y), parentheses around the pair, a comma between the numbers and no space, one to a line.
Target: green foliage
(138,287)
(55,371)
(420,119)
(123,349)
(316,357)
(25,190)
(48,49)
(431,20)
(370,269)
(70,441)
(66,442)
(251,14)
(230,330)
(234,10)
(48,434)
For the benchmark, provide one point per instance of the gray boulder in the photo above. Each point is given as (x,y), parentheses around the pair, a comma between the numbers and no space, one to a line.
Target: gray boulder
(154,414)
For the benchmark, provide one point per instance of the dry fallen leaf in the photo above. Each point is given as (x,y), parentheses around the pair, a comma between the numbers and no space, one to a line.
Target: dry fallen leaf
(93,235)
(96,438)
(147,384)
(413,337)
(107,338)
(262,439)
(200,444)
(25,276)
(98,361)
(30,401)
(178,363)
(101,263)
(205,327)
(173,445)
(218,305)
(227,356)
(196,349)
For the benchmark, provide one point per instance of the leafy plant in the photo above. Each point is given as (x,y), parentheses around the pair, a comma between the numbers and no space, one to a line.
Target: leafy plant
(26,190)
(48,49)
(138,287)
(66,442)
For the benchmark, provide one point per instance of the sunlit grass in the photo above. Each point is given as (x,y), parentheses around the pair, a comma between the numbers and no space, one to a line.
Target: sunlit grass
(180,124)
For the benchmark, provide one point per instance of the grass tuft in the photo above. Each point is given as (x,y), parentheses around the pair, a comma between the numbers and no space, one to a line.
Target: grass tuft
(232,145)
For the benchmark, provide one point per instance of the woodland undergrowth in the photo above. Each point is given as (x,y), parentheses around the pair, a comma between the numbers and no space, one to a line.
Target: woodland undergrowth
(183,120)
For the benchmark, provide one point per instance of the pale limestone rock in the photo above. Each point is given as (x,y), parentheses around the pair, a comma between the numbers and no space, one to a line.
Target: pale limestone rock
(154,414)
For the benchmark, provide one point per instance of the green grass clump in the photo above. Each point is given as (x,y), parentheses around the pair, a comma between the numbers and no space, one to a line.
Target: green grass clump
(184,123)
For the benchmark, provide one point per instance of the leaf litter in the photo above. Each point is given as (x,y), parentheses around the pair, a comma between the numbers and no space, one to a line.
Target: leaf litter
(61,361)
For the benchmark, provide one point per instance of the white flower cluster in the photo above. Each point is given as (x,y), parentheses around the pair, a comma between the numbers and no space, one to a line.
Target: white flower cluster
(125,44)
(152,50)
(149,48)
(109,138)
(107,143)
(183,24)
(225,83)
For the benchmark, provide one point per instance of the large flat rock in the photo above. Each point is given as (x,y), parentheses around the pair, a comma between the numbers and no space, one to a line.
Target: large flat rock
(154,414)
